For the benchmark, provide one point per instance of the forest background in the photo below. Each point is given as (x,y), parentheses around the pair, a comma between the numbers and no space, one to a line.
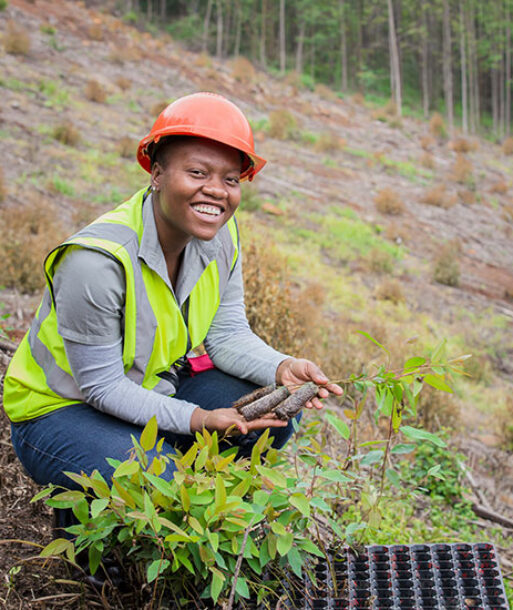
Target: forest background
(386,206)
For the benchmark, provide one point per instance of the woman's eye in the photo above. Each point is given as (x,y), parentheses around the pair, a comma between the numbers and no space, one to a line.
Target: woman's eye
(233,180)
(196,172)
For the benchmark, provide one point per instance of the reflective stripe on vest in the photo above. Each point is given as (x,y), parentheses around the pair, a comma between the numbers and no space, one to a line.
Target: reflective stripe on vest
(39,378)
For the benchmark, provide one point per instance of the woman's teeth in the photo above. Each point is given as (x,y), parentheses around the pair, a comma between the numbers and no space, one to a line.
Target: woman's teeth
(207,209)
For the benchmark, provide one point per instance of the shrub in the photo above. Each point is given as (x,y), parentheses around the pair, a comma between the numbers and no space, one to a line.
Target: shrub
(427,142)
(390,108)
(358,98)
(243,70)
(3,187)
(437,126)
(397,233)
(47,28)
(461,170)
(95,92)
(95,32)
(123,83)
(504,423)
(428,161)
(446,266)
(282,124)
(127,147)
(16,40)
(507,146)
(500,187)
(387,201)
(203,60)
(27,234)
(462,145)
(390,290)
(507,212)
(158,107)
(329,142)
(467,197)
(379,261)
(66,133)
(438,197)
(325,92)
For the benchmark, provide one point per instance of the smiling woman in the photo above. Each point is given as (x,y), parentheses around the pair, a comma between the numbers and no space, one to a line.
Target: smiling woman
(129,298)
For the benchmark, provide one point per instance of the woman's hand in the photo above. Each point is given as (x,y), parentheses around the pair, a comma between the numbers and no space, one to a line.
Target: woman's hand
(230,420)
(297,371)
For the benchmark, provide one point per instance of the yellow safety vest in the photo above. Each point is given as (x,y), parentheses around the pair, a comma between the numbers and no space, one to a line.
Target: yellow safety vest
(156,335)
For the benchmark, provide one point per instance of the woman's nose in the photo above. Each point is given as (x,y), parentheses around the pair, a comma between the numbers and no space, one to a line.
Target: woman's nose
(215,188)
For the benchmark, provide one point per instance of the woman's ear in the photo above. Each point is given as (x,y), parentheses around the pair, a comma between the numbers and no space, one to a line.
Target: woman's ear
(156,176)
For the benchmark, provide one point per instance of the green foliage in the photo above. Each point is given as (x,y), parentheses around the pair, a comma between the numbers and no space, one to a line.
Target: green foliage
(250,200)
(3,5)
(219,523)
(60,185)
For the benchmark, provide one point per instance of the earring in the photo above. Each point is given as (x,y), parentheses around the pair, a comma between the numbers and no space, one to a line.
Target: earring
(153,189)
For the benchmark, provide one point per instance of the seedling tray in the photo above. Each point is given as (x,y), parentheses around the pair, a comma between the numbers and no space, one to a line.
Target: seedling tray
(420,576)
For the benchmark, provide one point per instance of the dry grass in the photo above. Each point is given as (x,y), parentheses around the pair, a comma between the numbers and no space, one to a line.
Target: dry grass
(462,170)
(427,142)
(427,160)
(158,107)
(390,290)
(437,409)
(243,70)
(507,212)
(437,126)
(66,133)
(282,124)
(3,186)
(504,424)
(127,147)
(27,234)
(446,266)
(467,197)
(16,39)
(379,261)
(358,98)
(95,92)
(325,93)
(501,187)
(95,32)
(203,60)
(329,142)
(507,146)
(462,145)
(387,201)
(396,233)
(123,83)
(438,197)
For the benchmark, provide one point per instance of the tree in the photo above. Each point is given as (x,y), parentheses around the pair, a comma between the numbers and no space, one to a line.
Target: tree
(447,65)
(395,71)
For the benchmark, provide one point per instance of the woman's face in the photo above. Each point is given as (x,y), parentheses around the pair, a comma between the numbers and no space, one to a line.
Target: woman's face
(197,191)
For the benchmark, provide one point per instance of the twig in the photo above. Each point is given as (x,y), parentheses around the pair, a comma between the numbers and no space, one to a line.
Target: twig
(237,570)
(480,496)
(8,346)
(482,511)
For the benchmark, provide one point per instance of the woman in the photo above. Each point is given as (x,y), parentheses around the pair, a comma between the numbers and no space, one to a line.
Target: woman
(130,295)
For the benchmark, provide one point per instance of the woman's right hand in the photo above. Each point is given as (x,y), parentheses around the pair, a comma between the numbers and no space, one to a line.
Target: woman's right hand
(231,421)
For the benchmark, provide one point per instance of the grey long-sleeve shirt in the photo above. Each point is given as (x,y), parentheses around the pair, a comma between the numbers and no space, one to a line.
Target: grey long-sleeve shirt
(89,290)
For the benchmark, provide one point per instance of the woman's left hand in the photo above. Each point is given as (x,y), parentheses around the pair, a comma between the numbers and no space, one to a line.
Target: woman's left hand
(297,371)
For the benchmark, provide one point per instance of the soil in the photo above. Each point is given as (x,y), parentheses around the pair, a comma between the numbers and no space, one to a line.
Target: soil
(159,69)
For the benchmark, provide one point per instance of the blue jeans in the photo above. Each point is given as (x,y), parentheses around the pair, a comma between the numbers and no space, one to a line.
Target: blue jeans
(78,437)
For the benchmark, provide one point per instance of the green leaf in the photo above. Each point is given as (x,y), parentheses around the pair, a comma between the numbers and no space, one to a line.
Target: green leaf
(340,426)
(301,502)
(220,493)
(438,352)
(156,567)
(217,583)
(393,477)
(367,336)
(274,476)
(435,472)
(241,587)
(95,556)
(201,460)
(97,506)
(149,434)
(413,363)
(309,547)
(334,475)
(81,510)
(284,543)
(373,457)
(126,469)
(422,435)
(437,382)
(320,504)
(295,561)
(56,547)
(160,484)
(403,448)
(196,525)
(43,493)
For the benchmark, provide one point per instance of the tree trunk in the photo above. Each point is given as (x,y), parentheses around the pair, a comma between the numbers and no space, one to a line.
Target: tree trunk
(219,39)
(495,99)
(425,61)
(238,29)
(162,11)
(283,48)
(507,75)
(395,71)
(464,99)
(263,28)
(471,76)
(476,92)
(447,65)
(343,48)
(299,47)
(206,26)
(149,10)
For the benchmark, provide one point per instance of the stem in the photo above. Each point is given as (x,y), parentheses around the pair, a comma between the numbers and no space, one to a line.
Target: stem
(237,570)
(385,457)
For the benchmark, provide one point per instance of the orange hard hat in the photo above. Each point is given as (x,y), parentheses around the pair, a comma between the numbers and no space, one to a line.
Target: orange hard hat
(205,115)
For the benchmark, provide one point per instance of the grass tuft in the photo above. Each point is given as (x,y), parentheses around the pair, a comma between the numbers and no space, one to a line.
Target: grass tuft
(123,83)
(3,187)
(507,146)
(427,160)
(329,142)
(243,70)
(427,142)
(66,133)
(390,290)
(127,147)
(462,145)
(437,126)
(95,32)
(462,171)
(282,124)
(387,201)
(158,107)
(438,197)
(16,40)
(446,265)
(501,187)
(95,92)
